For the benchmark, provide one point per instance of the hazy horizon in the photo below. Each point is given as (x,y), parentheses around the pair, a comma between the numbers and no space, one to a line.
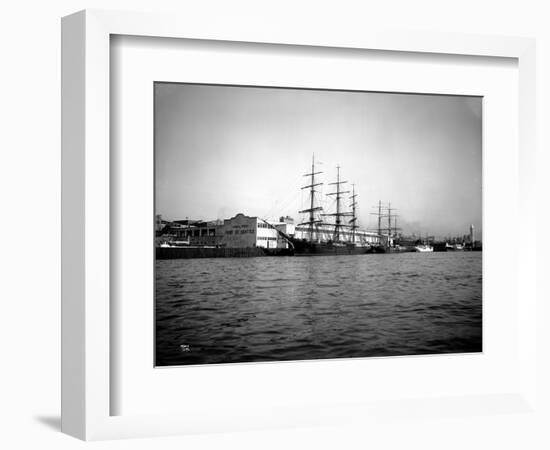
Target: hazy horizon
(223,150)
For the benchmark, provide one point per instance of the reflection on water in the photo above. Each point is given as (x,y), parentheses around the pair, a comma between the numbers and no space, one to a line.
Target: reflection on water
(293,308)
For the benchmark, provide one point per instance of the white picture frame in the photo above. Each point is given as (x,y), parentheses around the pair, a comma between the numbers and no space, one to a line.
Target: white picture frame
(86,247)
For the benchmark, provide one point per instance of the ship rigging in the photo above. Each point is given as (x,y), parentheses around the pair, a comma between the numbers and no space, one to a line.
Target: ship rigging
(329,232)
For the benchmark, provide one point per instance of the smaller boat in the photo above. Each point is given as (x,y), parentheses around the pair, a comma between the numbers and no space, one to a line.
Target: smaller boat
(454,247)
(406,248)
(423,248)
(171,244)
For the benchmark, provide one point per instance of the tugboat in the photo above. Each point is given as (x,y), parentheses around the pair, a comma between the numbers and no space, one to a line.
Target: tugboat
(423,248)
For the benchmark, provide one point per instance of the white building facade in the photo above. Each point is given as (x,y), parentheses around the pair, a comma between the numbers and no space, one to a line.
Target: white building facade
(246,232)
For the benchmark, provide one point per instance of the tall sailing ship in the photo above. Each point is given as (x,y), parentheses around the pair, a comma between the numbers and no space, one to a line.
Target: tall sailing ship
(328,233)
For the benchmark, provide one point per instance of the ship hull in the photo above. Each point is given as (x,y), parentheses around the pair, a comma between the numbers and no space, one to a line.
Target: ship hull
(382,249)
(306,248)
(377,249)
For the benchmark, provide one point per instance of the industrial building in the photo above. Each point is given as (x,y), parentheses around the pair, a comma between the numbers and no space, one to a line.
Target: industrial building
(189,232)
(240,231)
(245,232)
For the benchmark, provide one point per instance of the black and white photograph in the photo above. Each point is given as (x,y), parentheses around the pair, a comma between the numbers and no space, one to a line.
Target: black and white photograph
(305,224)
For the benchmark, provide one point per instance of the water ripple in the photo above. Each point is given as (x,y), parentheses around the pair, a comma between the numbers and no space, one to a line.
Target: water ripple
(284,308)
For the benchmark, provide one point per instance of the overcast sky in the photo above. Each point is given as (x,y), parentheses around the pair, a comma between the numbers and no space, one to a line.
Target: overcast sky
(221,150)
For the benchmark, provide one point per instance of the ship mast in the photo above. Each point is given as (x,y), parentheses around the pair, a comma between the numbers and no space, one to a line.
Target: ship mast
(353,220)
(338,214)
(389,215)
(395,228)
(390,228)
(312,208)
(380,215)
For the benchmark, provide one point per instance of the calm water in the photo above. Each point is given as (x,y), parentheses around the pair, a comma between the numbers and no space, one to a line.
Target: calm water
(289,308)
